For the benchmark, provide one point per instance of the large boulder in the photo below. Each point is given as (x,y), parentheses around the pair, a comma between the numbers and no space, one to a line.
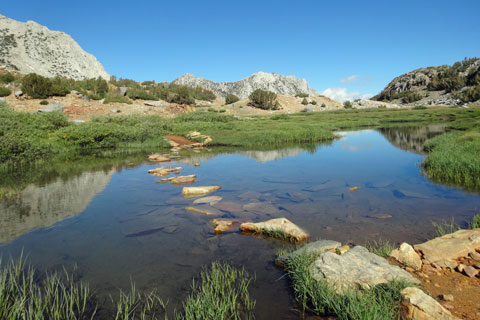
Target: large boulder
(157,104)
(283,225)
(420,306)
(314,248)
(198,191)
(52,107)
(407,256)
(122,91)
(444,251)
(357,269)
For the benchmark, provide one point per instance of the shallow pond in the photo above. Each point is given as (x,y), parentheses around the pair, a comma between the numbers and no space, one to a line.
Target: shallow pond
(117,224)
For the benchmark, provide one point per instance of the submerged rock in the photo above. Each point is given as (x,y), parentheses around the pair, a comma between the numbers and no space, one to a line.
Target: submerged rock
(198,191)
(210,200)
(222,225)
(357,269)
(444,251)
(229,206)
(407,256)
(261,208)
(315,248)
(280,225)
(420,306)
(203,210)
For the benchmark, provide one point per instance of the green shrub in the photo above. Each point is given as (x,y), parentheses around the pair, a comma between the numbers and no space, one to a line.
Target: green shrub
(184,95)
(44,102)
(302,95)
(148,83)
(347,105)
(471,94)
(304,101)
(7,78)
(118,99)
(231,98)
(36,86)
(203,117)
(222,110)
(266,100)
(476,221)
(313,102)
(419,108)
(135,94)
(125,83)
(4,92)
(323,105)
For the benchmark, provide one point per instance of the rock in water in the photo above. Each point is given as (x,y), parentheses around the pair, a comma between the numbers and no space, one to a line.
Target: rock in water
(357,269)
(420,306)
(183,179)
(210,200)
(222,225)
(158,158)
(407,256)
(281,224)
(34,48)
(198,191)
(315,248)
(51,107)
(444,251)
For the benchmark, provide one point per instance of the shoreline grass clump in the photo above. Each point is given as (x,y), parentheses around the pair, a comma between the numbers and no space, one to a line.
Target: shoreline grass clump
(445,227)
(475,221)
(24,294)
(381,248)
(134,305)
(222,293)
(320,298)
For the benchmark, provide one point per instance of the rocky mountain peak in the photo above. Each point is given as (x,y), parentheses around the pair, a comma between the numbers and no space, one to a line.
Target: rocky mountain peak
(29,47)
(280,84)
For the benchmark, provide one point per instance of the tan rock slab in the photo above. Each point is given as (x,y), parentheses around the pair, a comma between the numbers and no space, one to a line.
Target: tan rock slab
(407,256)
(420,306)
(158,158)
(343,249)
(204,210)
(163,171)
(199,191)
(470,271)
(210,200)
(183,179)
(444,251)
(281,224)
(223,225)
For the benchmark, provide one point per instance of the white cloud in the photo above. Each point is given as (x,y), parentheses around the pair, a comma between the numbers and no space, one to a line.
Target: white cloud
(356,78)
(341,94)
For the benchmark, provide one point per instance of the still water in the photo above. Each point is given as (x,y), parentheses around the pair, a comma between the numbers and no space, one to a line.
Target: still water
(117,224)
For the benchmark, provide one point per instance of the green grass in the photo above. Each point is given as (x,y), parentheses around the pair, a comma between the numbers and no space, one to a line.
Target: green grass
(117,99)
(221,294)
(318,297)
(475,221)
(27,138)
(277,234)
(445,227)
(453,158)
(382,248)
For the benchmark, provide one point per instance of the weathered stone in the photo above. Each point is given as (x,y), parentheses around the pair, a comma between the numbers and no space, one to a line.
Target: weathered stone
(281,224)
(163,171)
(198,191)
(3,99)
(77,121)
(222,225)
(357,268)
(470,271)
(210,200)
(18,93)
(445,250)
(342,249)
(122,91)
(420,306)
(446,297)
(475,256)
(183,179)
(407,256)
(315,248)
(204,210)
(20,106)
(158,158)
(157,104)
(51,107)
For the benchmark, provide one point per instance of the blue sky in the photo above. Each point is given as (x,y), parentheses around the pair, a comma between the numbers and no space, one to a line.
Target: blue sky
(343,46)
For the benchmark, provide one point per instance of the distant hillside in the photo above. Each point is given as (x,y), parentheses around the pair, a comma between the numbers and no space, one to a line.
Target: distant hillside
(286,85)
(32,48)
(443,85)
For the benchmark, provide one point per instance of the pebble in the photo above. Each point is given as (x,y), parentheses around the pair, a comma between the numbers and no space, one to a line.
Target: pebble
(447,297)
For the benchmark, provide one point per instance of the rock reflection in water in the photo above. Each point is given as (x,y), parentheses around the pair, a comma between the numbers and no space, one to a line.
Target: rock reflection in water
(43,206)
(412,138)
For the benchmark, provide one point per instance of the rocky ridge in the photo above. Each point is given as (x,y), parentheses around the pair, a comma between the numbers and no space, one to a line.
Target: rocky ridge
(438,85)
(28,47)
(280,84)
